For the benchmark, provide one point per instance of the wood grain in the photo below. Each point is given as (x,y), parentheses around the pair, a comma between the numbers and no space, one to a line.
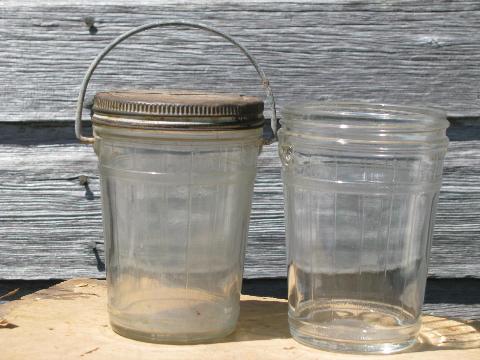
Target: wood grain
(51,223)
(386,51)
(391,51)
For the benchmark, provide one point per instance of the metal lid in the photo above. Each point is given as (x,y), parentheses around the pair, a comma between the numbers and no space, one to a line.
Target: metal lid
(177,109)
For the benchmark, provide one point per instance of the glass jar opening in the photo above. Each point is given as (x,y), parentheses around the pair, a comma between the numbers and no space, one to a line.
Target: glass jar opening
(364,115)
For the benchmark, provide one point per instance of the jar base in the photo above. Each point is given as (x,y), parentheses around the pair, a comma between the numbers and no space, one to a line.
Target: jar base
(353,326)
(200,317)
(159,338)
(352,347)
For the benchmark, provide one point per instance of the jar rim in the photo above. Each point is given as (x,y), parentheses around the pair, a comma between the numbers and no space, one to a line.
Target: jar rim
(358,114)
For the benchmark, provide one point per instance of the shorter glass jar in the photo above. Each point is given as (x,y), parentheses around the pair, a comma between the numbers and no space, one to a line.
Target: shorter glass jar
(361,186)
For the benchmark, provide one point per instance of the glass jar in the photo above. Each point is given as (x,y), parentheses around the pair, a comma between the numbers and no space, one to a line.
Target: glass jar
(176,208)
(177,170)
(361,185)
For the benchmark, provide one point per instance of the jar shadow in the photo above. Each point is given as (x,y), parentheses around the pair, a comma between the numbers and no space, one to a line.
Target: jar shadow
(261,320)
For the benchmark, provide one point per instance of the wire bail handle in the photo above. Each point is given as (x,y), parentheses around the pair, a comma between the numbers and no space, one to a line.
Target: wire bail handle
(124,36)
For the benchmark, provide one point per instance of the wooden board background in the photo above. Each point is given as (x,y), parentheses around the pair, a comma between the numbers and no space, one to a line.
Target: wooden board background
(391,51)
(395,51)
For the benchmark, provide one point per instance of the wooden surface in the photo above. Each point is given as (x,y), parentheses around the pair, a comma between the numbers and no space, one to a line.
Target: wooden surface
(52,224)
(69,321)
(394,51)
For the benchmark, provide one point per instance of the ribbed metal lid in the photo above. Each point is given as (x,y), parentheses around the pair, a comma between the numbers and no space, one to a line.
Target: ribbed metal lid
(177,109)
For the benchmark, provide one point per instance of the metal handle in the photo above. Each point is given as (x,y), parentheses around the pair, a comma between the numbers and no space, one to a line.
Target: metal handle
(118,40)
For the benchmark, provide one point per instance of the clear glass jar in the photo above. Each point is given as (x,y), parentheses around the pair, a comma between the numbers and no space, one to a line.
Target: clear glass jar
(177,170)
(361,185)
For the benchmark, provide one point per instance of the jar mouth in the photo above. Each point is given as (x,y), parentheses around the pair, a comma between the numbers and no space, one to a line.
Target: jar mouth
(365,115)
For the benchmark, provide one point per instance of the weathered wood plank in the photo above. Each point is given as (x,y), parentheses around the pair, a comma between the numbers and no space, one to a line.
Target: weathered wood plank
(394,51)
(49,221)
